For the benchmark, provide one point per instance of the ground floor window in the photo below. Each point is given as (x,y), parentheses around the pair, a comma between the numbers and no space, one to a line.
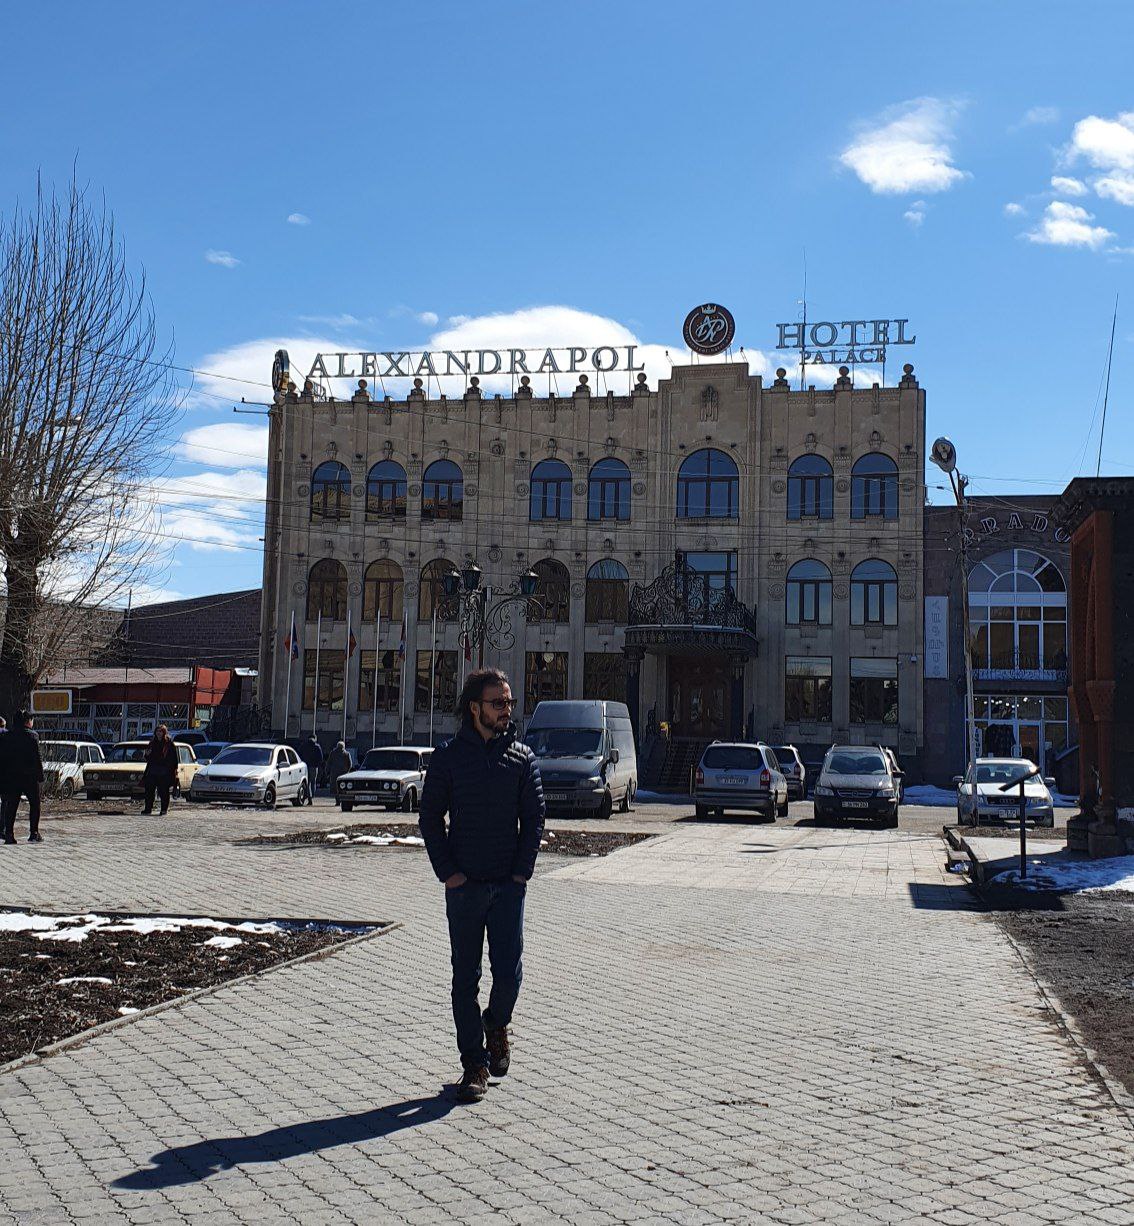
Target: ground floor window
(873,690)
(444,684)
(1025,725)
(330,668)
(807,689)
(387,680)
(604,676)
(545,677)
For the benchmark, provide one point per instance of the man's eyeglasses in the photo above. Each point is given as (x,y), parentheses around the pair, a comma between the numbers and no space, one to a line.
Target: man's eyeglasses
(501,704)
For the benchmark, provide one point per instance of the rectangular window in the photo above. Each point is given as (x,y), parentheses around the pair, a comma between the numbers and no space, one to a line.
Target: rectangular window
(604,676)
(389,685)
(873,690)
(444,688)
(807,689)
(544,678)
(331,664)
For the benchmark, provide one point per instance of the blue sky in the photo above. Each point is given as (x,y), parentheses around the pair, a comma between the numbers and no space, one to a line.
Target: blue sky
(445,162)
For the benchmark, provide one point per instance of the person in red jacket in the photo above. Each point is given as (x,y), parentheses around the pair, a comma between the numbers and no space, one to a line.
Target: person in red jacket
(487,781)
(160,775)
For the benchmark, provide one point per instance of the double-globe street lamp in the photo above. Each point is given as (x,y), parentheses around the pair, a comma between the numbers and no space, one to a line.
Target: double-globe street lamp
(482,619)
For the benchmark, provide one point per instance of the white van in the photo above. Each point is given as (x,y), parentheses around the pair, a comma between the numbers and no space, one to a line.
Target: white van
(587,760)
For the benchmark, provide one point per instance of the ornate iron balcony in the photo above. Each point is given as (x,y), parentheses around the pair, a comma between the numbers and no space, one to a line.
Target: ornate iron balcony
(680,596)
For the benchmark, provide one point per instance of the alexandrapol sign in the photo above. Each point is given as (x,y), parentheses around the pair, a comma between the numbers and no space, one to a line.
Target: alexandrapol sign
(437,363)
(845,342)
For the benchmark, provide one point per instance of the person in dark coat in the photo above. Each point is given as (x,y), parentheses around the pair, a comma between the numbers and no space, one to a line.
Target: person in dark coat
(338,763)
(488,783)
(21,774)
(160,775)
(311,752)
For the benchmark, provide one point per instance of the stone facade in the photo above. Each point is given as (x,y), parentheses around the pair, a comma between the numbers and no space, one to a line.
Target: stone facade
(1020,666)
(725,536)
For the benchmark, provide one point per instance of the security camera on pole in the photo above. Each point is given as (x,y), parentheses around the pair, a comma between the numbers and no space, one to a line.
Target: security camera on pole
(944,455)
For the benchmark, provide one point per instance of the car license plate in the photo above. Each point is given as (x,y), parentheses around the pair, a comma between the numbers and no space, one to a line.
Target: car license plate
(856,804)
(362,796)
(556,796)
(734,779)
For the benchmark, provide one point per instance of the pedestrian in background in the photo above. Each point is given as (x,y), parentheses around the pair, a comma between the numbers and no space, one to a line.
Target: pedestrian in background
(311,752)
(160,775)
(21,774)
(338,763)
(487,781)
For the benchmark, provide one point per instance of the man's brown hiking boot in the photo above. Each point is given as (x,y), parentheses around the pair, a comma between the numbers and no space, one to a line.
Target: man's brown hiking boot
(473,1086)
(499,1051)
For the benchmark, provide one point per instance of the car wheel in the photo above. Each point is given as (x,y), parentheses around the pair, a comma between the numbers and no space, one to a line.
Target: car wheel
(300,797)
(771,810)
(606,808)
(702,812)
(269,801)
(67,789)
(346,805)
(784,807)
(409,802)
(624,803)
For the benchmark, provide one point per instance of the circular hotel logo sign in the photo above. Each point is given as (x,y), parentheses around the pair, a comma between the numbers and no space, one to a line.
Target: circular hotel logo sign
(709,329)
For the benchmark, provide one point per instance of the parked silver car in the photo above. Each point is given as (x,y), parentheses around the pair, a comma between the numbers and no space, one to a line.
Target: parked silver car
(857,781)
(985,803)
(734,775)
(794,771)
(391,777)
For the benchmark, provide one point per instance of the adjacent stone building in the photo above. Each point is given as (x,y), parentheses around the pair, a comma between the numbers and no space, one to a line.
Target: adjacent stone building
(731,559)
(1018,565)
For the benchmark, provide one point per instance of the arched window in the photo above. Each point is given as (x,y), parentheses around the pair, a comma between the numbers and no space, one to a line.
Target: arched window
(608,592)
(608,490)
(442,492)
(874,594)
(553,591)
(874,487)
(551,491)
(382,591)
(431,593)
(330,492)
(708,486)
(809,594)
(1018,613)
(327,591)
(810,488)
(386,491)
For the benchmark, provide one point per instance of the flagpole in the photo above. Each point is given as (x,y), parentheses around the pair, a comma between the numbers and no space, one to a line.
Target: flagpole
(432,672)
(291,647)
(346,673)
(315,712)
(374,695)
(405,657)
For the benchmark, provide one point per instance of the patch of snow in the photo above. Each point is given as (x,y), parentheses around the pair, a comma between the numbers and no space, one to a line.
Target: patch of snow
(83,979)
(336,834)
(661,798)
(930,796)
(388,840)
(1075,876)
(127,1010)
(224,942)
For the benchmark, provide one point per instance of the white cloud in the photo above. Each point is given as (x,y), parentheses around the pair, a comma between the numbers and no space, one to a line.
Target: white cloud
(1107,144)
(1012,209)
(298,219)
(224,444)
(1068,187)
(915,214)
(429,318)
(344,320)
(907,149)
(212,509)
(225,258)
(1117,187)
(455,321)
(1068,225)
(1038,115)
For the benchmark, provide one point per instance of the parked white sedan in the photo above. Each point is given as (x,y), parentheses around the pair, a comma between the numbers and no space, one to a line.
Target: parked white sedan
(390,777)
(981,800)
(252,774)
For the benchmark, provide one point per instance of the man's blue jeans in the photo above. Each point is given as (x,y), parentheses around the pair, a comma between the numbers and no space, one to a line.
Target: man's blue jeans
(495,907)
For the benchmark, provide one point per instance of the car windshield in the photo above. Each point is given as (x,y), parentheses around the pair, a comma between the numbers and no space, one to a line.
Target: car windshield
(1001,772)
(209,749)
(127,753)
(245,755)
(857,764)
(390,760)
(58,751)
(733,757)
(565,742)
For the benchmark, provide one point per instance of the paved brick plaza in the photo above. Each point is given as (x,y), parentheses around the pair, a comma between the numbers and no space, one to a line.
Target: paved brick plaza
(728,1023)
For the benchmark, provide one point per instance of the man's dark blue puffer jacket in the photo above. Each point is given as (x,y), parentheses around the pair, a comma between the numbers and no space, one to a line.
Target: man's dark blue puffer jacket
(492,793)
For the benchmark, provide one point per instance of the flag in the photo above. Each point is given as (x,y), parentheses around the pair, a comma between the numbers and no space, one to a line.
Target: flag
(402,640)
(352,643)
(291,642)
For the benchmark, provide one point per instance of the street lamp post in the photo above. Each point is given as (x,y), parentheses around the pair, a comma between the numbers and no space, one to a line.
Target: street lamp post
(482,619)
(944,455)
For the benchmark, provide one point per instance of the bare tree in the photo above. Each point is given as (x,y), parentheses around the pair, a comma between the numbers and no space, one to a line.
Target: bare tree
(86,402)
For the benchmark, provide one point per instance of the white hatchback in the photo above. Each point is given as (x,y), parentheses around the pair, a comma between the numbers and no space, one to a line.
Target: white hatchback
(252,774)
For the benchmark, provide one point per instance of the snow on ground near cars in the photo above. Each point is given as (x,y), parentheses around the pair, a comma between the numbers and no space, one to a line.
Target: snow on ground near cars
(1074,876)
(378,840)
(79,927)
(946,798)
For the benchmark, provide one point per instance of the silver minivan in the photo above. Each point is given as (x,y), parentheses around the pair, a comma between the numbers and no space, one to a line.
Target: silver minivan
(733,775)
(587,760)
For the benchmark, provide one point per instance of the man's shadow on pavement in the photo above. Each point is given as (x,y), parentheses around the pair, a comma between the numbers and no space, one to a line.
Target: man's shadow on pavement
(191,1163)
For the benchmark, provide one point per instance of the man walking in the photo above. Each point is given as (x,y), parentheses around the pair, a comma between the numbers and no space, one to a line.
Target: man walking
(160,776)
(338,763)
(311,752)
(21,769)
(488,783)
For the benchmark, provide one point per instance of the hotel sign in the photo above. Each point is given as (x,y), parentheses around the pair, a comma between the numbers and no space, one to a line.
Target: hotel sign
(845,342)
(437,363)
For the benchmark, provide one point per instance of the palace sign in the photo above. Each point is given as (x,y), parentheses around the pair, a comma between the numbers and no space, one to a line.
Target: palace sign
(848,341)
(437,363)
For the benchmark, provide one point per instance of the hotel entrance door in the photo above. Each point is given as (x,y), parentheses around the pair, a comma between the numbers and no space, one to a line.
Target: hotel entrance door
(698,697)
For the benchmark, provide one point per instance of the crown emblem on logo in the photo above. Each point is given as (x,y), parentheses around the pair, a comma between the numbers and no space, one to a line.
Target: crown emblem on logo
(709,308)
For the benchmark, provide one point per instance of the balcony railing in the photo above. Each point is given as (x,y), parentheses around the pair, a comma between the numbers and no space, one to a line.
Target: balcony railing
(680,596)
(1020,666)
